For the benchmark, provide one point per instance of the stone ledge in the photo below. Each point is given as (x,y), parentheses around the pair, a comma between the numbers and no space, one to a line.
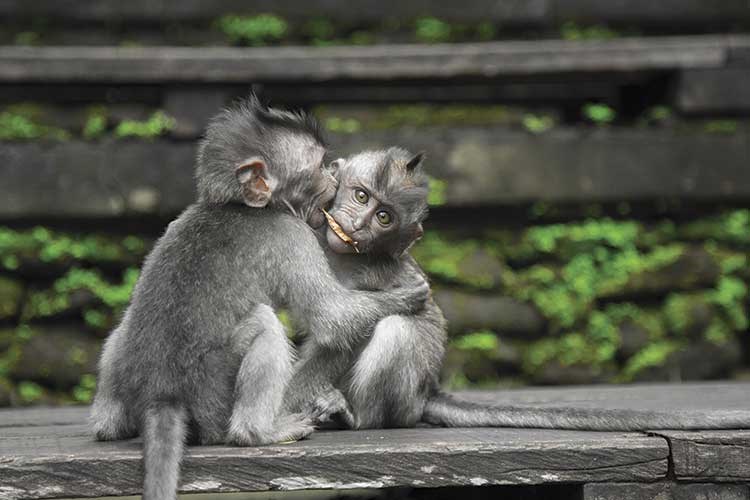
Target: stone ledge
(383,62)
(481,167)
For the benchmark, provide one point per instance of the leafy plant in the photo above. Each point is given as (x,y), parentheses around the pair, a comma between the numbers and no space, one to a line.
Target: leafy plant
(432,30)
(158,124)
(484,340)
(536,124)
(15,126)
(436,196)
(96,123)
(599,113)
(29,392)
(84,391)
(254,30)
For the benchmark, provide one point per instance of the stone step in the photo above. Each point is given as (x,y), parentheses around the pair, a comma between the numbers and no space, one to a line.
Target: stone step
(487,166)
(190,65)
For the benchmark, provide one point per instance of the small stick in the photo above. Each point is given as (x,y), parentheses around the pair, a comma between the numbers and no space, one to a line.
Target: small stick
(339,231)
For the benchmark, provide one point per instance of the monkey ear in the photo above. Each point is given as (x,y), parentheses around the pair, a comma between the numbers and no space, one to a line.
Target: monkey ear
(418,232)
(252,174)
(415,161)
(335,165)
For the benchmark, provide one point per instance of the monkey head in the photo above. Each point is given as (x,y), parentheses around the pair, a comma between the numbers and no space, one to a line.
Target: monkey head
(264,157)
(380,203)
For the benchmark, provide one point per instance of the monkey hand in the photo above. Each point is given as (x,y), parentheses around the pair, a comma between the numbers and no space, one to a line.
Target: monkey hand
(410,297)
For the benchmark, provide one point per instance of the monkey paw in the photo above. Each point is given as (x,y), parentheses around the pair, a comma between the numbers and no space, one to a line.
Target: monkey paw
(286,428)
(332,407)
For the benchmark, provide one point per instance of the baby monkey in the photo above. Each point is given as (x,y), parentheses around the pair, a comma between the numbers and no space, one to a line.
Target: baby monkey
(200,353)
(391,379)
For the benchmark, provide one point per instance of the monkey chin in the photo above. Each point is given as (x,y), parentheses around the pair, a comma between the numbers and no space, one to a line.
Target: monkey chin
(337,244)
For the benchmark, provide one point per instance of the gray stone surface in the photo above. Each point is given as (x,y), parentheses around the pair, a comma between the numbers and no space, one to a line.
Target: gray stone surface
(467,312)
(727,400)
(664,491)
(57,356)
(710,455)
(482,166)
(64,461)
(380,62)
(714,91)
(48,453)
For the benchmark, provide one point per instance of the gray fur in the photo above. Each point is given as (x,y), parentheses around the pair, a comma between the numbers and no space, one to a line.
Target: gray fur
(163,436)
(199,340)
(391,379)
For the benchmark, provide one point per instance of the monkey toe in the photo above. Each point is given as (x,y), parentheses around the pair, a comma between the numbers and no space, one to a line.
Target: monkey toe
(293,428)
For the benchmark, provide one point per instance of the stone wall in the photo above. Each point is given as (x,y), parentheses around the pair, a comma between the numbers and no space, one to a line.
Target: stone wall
(592,300)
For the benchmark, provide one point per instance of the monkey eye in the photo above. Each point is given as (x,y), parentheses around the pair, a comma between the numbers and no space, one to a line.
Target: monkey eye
(384,217)
(361,196)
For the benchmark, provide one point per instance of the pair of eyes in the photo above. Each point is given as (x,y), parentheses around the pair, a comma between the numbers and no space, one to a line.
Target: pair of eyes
(384,217)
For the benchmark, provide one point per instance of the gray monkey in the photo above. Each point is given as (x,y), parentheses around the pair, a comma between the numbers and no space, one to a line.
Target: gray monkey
(392,378)
(200,354)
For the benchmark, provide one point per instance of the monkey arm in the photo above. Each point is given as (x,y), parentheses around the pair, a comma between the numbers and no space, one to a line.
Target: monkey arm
(338,318)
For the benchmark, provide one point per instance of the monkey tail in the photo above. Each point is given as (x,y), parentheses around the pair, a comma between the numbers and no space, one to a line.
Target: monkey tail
(164,435)
(448,411)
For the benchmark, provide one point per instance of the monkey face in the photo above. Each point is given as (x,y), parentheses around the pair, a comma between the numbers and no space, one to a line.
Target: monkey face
(380,203)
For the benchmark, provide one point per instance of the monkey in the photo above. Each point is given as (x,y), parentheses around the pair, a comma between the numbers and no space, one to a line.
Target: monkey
(199,354)
(392,378)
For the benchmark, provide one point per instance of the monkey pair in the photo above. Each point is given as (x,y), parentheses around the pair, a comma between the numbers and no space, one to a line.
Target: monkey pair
(200,355)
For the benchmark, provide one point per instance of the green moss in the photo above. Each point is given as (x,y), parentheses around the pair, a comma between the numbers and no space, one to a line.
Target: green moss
(718,332)
(96,319)
(436,196)
(653,355)
(259,30)
(648,318)
(677,310)
(432,30)
(320,30)
(465,262)
(537,124)
(731,227)
(572,31)
(586,235)
(157,124)
(84,391)
(658,114)
(20,127)
(342,125)
(50,246)
(600,114)
(11,293)
(721,127)
(27,38)
(29,392)
(440,257)
(50,302)
(731,294)
(96,123)
(416,115)
(478,341)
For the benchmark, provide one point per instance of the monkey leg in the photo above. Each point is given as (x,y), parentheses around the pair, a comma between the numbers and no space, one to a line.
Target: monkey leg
(263,375)
(109,416)
(389,382)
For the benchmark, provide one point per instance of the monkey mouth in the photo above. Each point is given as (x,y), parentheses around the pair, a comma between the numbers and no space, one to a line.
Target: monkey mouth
(339,231)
